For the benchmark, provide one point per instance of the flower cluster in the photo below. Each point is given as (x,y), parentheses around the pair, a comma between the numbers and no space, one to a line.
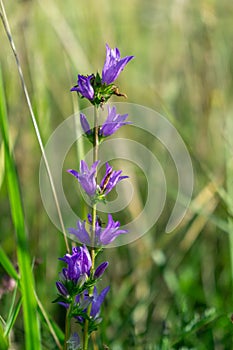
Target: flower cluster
(76,287)
(103,236)
(87,179)
(96,89)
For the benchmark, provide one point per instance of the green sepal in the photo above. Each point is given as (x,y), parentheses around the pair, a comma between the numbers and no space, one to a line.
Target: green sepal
(98,198)
(93,325)
(77,311)
(90,137)
(60,298)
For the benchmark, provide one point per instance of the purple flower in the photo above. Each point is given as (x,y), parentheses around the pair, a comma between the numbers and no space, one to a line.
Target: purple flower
(86,177)
(81,233)
(62,303)
(85,124)
(110,179)
(62,289)
(103,236)
(97,301)
(108,234)
(100,269)
(84,86)
(83,300)
(79,265)
(113,122)
(113,65)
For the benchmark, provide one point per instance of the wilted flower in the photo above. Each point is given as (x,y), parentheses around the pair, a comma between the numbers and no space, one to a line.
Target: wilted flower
(113,65)
(84,86)
(103,236)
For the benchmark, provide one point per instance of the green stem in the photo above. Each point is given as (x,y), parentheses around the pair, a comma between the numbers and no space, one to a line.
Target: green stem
(94,216)
(67,327)
(229,175)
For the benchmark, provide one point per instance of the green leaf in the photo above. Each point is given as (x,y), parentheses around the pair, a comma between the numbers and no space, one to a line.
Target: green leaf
(12,317)
(3,339)
(7,265)
(31,324)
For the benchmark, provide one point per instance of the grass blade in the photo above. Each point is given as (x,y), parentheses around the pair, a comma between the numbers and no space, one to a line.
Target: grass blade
(12,317)
(7,265)
(55,331)
(3,339)
(31,325)
(33,118)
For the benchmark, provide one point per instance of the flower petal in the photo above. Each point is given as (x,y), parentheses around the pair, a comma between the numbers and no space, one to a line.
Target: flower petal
(113,65)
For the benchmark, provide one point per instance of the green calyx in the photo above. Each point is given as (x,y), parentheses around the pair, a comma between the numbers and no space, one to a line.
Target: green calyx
(103,92)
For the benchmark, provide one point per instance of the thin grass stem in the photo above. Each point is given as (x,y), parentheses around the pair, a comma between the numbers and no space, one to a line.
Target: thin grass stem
(34,121)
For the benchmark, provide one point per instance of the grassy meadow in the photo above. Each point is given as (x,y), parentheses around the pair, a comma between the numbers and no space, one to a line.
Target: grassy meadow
(168,291)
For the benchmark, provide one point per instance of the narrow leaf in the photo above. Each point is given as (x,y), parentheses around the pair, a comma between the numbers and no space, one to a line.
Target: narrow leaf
(31,325)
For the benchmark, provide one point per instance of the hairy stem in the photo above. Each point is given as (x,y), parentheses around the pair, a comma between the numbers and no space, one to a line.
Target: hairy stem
(94,216)
(67,329)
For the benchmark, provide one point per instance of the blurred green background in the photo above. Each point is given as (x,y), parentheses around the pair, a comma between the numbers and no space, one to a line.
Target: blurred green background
(167,291)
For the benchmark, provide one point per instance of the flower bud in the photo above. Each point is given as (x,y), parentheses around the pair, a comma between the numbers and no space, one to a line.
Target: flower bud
(100,269)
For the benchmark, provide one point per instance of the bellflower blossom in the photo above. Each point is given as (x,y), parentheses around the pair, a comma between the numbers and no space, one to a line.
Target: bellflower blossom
(79,264)
(103,236)
(112,123)
(85,125)
(77,273)
(99,89)
(113,65)
(110,179)
(86,177)
(96,302)
(84,86)
(76,286)
(100,270)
